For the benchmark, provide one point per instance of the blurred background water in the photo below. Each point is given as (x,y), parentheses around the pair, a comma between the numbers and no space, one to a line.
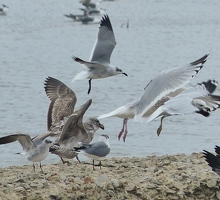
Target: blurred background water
(38,41)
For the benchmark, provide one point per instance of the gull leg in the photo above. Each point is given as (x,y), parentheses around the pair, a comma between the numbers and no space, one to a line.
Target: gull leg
(41,168)
(126,129)
(78,159)
(90,85)
(33,168)
(160,127)
(93,164)
(123,127)
(100,164)
(64,162)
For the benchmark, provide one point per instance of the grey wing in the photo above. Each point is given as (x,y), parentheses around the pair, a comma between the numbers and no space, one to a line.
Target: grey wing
(99,149)
(23,139)
(105,42)
(166,82)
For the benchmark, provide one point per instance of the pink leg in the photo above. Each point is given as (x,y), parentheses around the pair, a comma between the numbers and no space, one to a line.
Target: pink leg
(123,130)
(126,130)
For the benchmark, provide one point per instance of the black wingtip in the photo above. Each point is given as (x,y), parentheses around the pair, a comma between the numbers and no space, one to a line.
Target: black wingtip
(210,85)
(200,60)
(105,21)
(205,113)
(212,160)
(217,150)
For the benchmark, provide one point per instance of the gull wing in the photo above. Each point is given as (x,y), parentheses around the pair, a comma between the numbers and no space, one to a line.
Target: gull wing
(105,42)
(165,82)
(63,100)
(23,139)
(74,126)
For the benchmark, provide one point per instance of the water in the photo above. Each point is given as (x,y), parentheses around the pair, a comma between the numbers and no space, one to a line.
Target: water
(38,41)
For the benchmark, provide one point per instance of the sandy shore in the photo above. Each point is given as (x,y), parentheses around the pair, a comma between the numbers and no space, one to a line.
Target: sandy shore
(153,177)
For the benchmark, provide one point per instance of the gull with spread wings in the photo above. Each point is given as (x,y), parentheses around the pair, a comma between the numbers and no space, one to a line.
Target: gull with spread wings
(99,65)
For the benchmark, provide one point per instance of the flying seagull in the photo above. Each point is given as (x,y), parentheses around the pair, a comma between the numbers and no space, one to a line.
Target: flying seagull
(35,150)
(99,65)
(74,131)
(196,99)
(97,150)
(166,84)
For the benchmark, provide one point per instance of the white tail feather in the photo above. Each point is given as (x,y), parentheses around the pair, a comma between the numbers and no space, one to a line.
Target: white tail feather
(81,76)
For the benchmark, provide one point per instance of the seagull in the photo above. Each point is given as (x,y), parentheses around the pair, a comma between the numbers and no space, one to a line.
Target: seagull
(213,160)
(99,65)
(196,99)
(97,150)
(63,101)
(156,93)
(74,131)
(35,150)
(84,2)
(4,10)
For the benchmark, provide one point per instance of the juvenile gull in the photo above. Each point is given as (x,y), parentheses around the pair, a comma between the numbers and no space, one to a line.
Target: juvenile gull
(99,65)
(165,85)
(35,150)
(63,101)
(97,150)
(213,160)
(74,131)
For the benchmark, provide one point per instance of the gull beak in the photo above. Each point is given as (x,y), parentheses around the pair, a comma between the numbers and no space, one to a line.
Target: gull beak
(101,126)
(124,74)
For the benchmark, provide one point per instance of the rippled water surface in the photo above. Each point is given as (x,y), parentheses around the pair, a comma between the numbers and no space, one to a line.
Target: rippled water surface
(38,41)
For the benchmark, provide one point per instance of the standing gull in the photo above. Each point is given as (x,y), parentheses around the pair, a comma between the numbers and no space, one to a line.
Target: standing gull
(74,131)
(213,160)
(97,150)
(63,101)
(35,150)
(166,84)
(99,65)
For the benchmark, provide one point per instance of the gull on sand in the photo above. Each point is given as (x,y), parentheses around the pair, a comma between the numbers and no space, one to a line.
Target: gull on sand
(97,150)
(74,131)
(35,149)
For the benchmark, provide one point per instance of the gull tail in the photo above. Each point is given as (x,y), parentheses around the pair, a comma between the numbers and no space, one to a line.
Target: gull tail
(81,76)
(111,114)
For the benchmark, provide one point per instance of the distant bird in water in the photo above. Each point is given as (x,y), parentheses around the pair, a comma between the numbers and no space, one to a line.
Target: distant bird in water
(99,65)
(35,150)
(4,10)
(127,24)
(213,160)
(84,2)
(97,150)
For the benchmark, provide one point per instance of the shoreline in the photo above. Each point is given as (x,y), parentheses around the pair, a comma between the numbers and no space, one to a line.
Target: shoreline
(178,176)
